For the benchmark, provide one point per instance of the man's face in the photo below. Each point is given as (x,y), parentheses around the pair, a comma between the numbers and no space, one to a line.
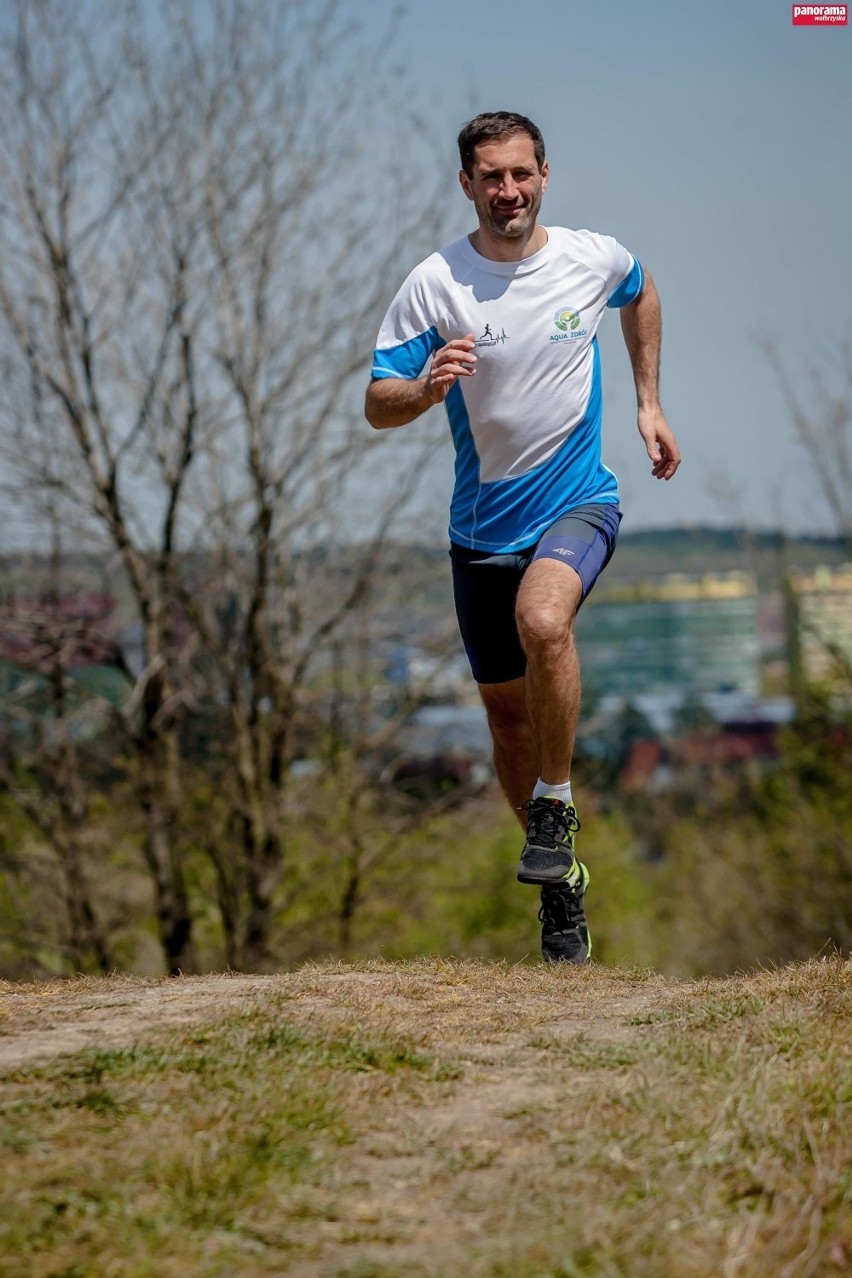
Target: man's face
(506,185)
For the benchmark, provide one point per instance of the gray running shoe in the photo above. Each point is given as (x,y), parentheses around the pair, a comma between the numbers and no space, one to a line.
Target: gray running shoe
(548,855)
(564,931)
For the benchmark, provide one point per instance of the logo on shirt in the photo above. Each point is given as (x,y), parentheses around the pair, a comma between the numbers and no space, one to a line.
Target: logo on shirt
(567,320)
(490,338)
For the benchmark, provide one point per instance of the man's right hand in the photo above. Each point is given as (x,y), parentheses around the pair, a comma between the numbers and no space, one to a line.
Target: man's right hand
(394,401)
(452,361)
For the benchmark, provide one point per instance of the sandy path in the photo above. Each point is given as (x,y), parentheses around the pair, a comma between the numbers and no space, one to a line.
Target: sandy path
(458,1005)
(41,1022)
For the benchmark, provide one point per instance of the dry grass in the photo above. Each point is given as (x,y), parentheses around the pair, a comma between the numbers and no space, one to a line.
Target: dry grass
(431,1118)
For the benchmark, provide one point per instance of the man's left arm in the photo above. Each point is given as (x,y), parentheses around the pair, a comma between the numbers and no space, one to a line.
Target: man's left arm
(641,324)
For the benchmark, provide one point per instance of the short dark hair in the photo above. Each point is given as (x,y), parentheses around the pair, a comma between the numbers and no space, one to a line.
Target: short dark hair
(492,126)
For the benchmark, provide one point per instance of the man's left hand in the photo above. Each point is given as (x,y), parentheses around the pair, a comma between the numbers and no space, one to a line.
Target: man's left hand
(659,441)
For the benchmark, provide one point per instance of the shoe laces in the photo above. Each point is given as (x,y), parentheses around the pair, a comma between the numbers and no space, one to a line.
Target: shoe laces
(561,909)
(551,821)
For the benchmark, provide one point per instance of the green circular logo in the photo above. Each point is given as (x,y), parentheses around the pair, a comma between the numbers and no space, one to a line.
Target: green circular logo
(565,319)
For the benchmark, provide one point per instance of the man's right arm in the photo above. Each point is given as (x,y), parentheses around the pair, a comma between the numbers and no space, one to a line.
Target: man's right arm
(393,401)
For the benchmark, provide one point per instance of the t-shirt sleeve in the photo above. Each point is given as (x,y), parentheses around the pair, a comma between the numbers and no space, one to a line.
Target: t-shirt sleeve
(625,277)
(408,335)
(631,285)
(621,272)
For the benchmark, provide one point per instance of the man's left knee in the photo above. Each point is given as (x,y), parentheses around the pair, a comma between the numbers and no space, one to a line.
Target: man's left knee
(545,612)
(542,624)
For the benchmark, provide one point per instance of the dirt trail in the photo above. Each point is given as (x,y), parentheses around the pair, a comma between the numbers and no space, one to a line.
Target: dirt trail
(653,1105)
(502,1029)
(41,1022)
(458,1005)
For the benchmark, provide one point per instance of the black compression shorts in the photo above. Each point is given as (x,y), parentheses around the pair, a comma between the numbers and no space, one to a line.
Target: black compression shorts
(485,586)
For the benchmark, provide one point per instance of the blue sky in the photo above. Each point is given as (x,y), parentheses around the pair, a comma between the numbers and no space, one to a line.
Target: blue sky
(714,139)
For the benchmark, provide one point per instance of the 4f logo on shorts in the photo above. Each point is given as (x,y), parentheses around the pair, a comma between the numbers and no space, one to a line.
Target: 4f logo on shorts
(560,550)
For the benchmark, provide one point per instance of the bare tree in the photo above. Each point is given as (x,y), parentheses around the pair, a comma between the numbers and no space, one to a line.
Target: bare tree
(195,233)
(93,291)
(822,422)
(362,810)
(61,668)
(52,791)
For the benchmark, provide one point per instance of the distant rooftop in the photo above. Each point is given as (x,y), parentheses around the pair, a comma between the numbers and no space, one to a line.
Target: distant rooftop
(675,586)
(825,579)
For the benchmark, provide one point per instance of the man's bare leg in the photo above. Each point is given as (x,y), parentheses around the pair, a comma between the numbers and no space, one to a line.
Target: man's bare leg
(533,723)
(516,758)
(548,599)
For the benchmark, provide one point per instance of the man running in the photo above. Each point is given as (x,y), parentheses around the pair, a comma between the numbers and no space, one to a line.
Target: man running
(534,514)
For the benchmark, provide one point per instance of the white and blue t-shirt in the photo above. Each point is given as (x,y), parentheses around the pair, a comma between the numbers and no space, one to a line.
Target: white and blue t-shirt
(527,427)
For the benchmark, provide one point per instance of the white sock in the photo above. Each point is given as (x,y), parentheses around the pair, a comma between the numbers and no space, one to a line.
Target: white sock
(562,792)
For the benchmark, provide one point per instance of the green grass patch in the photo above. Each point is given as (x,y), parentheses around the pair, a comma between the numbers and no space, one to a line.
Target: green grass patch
(120,1152)
(434,1118)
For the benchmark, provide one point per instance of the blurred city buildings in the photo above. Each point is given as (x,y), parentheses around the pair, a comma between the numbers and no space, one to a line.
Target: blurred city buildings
(691,634)
(824,603)
(683,671)
(686,675)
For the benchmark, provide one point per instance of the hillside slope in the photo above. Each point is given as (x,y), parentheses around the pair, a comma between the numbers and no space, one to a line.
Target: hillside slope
(433,1118)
